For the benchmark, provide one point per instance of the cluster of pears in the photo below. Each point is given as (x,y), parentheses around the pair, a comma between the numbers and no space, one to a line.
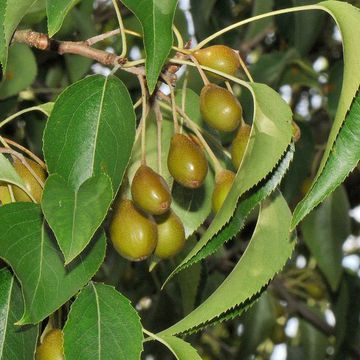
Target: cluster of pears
(221,110)
(147,224)
(31,184)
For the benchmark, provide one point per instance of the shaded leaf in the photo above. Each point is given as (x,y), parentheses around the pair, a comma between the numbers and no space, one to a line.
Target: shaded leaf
(257,266)
(109,325)
(325,231)
(343,158)
(16,342)
(180,348)
(28,247)
(341,152)
(74,216)
(20,72)
(156,17)
(90,131)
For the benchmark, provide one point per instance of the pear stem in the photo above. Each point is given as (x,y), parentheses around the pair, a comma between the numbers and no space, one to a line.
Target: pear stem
(244,67)
(179,39)
(216,163)
(183,100)
(228,86)
(122,29)
(200,70)
(11,192)
(173,105)
(143,119)
(159,120)
(27,152)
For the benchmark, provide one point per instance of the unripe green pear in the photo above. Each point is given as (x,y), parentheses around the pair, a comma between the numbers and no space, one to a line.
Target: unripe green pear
(186,162)
(218,57)
(223,183)
(171,235)
(133,233)
(315,289)
(31,184)
(220,108)
(278,335)
(239,145)
(52,347)
(150,191)
(5,197)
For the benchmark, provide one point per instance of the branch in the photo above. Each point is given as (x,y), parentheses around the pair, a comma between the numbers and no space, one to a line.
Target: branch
(43,42)
(302,310)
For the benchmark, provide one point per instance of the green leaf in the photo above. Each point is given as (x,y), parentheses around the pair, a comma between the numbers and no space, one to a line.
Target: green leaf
(75,215)
(20,72)
(8,174)
(343,158)
(109,326)
(15,342)
(91,130)
(29,248)
(262,259)
(156,17)
(180,348)
(56,11)
(325,231)
(11,13)
(269,138)
(341,151)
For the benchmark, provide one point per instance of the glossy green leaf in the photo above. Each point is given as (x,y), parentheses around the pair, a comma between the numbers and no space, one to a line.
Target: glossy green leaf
(180,348)
(269,138)
(15,342)
(75,215)
(27,245)
(90,131)
(156,17)
(102,324)
(325,231)
(56,11)
(20,72)
(257,266)
(11,13)
(343,158)
(341,151)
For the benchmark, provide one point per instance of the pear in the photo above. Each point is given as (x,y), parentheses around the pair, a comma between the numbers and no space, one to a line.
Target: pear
(186,162)
(239,145)
(51,347)
(31,184)
(218,57)
(223,184)
(133,233)
(220,108)
(150,191)
(171,235)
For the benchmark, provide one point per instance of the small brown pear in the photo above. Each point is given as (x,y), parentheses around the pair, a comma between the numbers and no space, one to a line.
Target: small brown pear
(171,235)
(31,184)
(239,145)
(223,183)
(52,346)
(132,232)
(218,57)
(150,191)
(220,108)
(186,162)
